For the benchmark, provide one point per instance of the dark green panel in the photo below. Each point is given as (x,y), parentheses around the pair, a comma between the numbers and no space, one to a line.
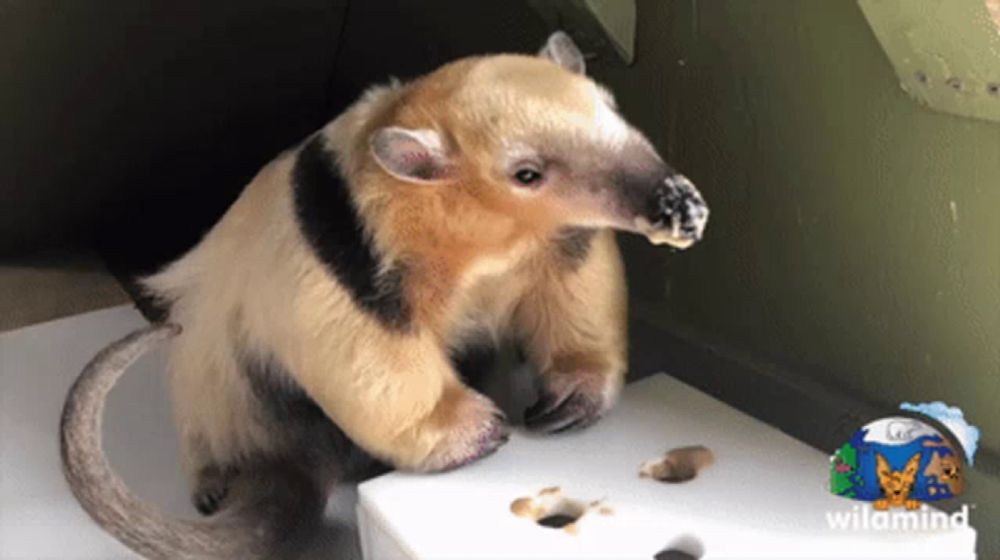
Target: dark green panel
(118,107)
(946,53)
(854,238)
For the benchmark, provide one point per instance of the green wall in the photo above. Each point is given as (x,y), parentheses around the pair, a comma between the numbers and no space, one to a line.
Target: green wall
(854,235)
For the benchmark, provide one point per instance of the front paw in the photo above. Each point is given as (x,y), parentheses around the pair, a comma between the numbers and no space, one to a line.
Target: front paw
(569,401)
(467,427)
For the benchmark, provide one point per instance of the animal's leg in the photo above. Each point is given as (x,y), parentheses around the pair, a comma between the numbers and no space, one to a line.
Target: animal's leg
(209,480)
(218,428)
(211,487)
(573,324)
(400,399)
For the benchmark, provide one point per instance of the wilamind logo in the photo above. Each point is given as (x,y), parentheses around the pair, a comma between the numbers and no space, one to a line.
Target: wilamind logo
(898,464)
(902,462)
(861,518)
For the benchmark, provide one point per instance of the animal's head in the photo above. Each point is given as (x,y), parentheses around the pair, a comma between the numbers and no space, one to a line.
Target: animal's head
(534,139)
(951,474)
(896,484)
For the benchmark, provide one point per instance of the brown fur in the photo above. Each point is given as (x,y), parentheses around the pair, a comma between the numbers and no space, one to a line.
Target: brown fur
(896,485)
(482,259)
(463,239)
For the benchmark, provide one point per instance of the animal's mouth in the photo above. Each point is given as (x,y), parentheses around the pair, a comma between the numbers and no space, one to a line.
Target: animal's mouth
(672,236)
(676,215)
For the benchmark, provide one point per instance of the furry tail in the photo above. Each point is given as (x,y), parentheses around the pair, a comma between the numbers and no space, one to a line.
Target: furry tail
(284,499)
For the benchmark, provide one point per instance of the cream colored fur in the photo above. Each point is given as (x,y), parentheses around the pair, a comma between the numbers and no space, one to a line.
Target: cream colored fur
(476,251)
(253,282)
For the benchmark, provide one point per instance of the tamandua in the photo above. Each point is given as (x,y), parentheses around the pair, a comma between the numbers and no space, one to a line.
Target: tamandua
(474,204)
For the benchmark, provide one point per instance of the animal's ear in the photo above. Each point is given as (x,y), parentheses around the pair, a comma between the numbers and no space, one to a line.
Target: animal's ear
(415,155)
(882,466)
(912,465)
(561,49)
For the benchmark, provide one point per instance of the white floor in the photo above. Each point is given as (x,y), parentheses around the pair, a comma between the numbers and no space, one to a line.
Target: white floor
(40,519)
(38,516)
(765,497)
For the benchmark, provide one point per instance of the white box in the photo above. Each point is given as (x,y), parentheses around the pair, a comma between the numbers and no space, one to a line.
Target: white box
(766,495)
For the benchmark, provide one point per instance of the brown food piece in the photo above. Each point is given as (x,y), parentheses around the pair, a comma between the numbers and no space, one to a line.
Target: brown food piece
(680,464)
(523,507)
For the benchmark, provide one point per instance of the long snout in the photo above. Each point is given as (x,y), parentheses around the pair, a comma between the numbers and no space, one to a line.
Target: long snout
(652,199)
(674,213)
(640,193)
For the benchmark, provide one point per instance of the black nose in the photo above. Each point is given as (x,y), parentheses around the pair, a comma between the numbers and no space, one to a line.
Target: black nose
(677,205)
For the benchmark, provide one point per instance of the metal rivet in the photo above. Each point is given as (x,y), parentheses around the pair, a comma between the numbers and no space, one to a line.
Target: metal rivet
(993,89)
(955,84)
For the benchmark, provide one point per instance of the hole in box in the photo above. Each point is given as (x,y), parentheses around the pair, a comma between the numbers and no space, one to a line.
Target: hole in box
(552,510)
(557,520)
(680,464)
(686,547)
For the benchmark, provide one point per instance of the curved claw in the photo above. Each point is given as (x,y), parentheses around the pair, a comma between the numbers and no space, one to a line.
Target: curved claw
(552,414)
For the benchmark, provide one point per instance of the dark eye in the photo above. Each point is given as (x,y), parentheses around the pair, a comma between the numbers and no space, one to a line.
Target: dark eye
(528,177)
